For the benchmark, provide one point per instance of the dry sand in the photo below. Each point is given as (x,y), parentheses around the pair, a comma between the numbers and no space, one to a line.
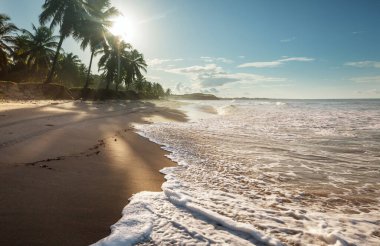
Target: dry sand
(67,169)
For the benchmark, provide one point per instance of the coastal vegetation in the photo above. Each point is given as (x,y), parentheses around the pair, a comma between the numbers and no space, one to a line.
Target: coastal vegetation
(36,56)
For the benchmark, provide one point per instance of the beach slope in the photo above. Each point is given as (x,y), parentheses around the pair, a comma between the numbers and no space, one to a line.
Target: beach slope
(68,168)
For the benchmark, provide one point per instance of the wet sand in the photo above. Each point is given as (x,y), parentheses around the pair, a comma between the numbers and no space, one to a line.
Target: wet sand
(67,169)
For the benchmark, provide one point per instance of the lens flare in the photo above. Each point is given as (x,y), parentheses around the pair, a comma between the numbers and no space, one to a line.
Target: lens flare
(123,27)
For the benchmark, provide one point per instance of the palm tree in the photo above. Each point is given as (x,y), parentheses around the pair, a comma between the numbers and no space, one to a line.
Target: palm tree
(68,72)
(139,85)
(148,87)
(68,14)
(135,63)
(158,91)
(93,31)
(143,87)
(116,51)
(168,92)
(36,49)
(6,31)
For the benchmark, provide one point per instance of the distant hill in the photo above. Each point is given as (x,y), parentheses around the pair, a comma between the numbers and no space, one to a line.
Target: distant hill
(195,96)
(245,98)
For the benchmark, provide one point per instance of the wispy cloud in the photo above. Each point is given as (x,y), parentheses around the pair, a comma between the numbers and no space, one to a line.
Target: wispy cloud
(156,61)
(152,78)
(287,40)
(211,75)
(209,68)
(261,64)
(357,32)
(276,63)
(208,80)
(210,59)
(364,64)
(366,79)
(210,90)
(300,59)
(371,91)
(181,88)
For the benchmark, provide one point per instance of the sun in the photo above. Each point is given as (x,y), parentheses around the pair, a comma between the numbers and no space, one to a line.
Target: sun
(124,28)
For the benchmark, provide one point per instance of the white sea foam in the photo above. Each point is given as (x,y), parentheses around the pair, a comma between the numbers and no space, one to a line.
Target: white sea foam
(302,173)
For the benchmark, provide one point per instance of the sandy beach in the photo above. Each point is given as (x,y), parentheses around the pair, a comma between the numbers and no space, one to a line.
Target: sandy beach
(68,168)
(120,127)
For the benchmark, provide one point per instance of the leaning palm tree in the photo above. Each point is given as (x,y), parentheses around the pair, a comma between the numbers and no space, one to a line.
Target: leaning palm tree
(135,63)
(67,14)
(7,30)
(36,49)
(93,31)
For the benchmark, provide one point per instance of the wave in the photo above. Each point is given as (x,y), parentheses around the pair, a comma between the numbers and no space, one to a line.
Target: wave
(262,174)
(172,210)
(227,109)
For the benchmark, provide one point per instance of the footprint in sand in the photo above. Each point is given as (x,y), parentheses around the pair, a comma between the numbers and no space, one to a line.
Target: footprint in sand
(46,166)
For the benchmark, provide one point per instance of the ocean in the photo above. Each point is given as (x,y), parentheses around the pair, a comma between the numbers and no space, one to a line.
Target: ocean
(263,172)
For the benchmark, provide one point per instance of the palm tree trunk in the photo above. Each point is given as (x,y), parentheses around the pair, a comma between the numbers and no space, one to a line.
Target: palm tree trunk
(51,73)
(89,71)
(128,81)
(108,80)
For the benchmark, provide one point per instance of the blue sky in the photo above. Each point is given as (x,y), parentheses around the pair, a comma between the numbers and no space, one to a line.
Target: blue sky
(281,49)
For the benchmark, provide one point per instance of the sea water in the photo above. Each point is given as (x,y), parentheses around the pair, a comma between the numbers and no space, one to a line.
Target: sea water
(263,172)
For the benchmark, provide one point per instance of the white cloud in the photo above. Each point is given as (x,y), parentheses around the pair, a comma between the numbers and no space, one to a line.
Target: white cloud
(300,59)
(211,75)
(210,59)
(210,90)
(364,64)
(367,79)
(181,88)
(276,63)
(156,61)
(261,64)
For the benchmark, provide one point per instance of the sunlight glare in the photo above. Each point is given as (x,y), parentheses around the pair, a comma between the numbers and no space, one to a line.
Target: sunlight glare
(123,27)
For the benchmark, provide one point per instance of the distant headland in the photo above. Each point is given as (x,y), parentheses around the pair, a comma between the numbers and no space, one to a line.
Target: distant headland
(203,96)
(195,96)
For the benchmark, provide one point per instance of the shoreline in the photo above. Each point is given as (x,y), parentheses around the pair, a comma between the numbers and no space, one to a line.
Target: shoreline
(64,185)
